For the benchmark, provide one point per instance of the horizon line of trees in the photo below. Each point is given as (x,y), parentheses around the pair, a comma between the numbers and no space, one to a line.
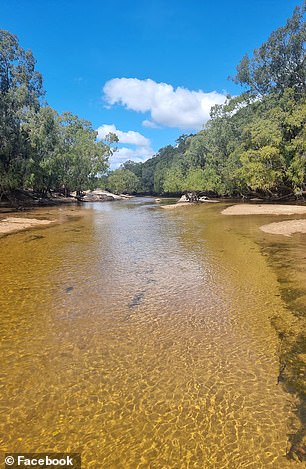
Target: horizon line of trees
(254,144)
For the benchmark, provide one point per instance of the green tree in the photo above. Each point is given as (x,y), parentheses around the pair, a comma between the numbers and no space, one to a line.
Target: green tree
(80,157)
(133,166)
(43,130)
(20,92)
(174,180)
(280,62)
(195,180)
(122,181)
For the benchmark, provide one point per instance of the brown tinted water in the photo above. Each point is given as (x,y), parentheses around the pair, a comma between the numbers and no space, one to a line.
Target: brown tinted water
(142,338)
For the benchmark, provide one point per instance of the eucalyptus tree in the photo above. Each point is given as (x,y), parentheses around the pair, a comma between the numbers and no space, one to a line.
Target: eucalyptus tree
(20,92)
(43,146)
(122,181)
(280,62)
(80,158)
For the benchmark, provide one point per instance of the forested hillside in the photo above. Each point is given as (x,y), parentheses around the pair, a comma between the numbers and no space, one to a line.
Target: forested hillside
(254,144)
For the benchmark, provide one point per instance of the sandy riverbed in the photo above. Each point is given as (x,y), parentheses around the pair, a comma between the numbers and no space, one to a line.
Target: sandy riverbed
(286,228)
(14,224)
(260,209)
(189,204)
(180,204)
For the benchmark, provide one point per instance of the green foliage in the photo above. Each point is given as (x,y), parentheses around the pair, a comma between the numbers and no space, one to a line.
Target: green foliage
(261,168)
(122,181)
(280,62)
(38,148)
(166,158)
(20,93)
(80,158)
(174,180)
(255,142)
(196,154)
(245,147)
(134,167)
(195,180)
(295,149)
(42,128)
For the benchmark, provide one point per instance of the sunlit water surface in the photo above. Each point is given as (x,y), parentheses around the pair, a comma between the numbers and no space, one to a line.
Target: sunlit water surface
(141,338)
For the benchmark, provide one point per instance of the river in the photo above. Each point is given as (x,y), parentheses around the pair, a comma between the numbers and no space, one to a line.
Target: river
(142,338)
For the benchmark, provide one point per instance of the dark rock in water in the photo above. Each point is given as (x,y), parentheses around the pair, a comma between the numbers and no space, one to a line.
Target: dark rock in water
(136,299)
(34,238)
(69,289)
(281,377)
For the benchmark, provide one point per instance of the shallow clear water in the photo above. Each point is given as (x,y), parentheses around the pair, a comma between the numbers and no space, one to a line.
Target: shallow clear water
(142,338)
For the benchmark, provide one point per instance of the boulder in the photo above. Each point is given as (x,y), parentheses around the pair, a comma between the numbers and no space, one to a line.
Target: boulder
(99,195)
(183,199)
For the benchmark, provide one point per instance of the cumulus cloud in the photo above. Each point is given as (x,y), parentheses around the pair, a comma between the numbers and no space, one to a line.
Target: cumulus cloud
(140,149)
(132,137)
(138,154)
(180,107)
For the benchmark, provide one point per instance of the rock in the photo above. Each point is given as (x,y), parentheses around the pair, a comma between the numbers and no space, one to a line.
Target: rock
(206,199)
(126,196)
(183,199)
(99,195)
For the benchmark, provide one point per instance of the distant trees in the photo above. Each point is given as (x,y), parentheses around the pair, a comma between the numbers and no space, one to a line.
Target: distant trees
(123,181)
(40,149)
(255,143)
(80,158)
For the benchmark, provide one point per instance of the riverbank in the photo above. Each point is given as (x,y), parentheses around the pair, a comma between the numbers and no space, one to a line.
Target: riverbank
(14,224)
(19,200)
(177,205)
(24,202)
(285,228)
(264,209)
(24,199)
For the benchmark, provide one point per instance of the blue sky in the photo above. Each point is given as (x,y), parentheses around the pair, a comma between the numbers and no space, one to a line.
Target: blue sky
(149,70)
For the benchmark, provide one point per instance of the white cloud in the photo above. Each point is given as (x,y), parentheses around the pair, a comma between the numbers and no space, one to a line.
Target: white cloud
(134,138)
(150,124)
(140,145)
(138,154)
(180,107)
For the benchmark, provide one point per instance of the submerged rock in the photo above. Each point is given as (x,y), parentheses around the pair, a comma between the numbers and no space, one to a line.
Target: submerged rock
(136,300)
